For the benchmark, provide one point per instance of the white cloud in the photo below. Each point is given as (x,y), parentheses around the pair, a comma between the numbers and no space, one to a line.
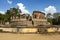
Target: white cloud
(2,12)
(23,8)
(10,2)
(50,9)
(43,11)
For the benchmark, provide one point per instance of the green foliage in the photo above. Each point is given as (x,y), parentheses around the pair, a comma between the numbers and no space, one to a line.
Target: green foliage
(55,15)
(49,20)
(3,18)
(48,15)
(55,20)
(7,16)
(59,20)
(13,12)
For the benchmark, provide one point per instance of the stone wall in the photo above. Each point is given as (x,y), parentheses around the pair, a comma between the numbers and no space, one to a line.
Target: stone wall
(9,29)
(28,30)
(20,30)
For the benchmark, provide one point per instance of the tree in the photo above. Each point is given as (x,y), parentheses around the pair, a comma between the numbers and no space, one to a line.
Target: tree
(8,14)
(3,18)
(59,20)
(55,15)
(49,20)
(13,12)
(56,19)
(48,15)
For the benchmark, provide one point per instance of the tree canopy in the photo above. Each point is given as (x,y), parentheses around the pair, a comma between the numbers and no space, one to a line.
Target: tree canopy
(9,13)
(55,20)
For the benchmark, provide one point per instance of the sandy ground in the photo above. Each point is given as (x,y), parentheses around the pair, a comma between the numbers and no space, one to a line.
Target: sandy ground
(11,36)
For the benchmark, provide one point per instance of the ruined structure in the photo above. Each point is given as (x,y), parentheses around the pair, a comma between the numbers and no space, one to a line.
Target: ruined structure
(37,18)
(25,23)
(38,15)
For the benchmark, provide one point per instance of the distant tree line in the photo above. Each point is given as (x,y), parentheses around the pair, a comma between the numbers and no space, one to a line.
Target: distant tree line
(54,19)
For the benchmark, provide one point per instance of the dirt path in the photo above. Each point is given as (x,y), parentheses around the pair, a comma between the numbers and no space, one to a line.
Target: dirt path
(10,36)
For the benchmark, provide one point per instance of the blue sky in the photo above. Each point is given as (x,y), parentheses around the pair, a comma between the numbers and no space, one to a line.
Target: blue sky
(31,5)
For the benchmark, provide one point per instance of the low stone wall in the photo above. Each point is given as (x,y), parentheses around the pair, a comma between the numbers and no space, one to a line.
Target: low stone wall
(20,30)
(31,29)
(51,29)
(28,30)
(9,29)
